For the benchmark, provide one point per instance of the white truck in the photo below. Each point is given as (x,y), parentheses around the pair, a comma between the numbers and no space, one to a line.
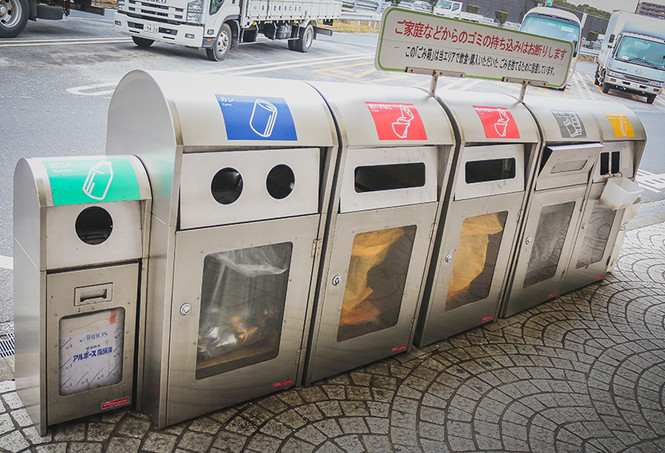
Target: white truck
(219,25)
(15,14)
(447,8)
(632,56)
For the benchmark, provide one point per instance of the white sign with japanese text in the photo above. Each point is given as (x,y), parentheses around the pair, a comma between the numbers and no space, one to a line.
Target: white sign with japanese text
(411,40)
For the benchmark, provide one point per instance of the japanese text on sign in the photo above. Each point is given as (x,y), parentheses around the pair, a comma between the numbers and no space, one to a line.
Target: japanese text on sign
(413,40)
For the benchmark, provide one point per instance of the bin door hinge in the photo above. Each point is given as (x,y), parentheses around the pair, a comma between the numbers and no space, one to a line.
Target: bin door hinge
(316,246)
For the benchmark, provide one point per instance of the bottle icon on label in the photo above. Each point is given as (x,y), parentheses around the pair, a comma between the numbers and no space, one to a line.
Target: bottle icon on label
(264,115)
(98,181)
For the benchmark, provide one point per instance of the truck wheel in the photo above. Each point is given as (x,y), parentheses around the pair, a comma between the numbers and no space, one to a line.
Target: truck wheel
(220,48)
(293,44)
(13,17)
(306,39)
(144,43)
(651,98)
(596,77)
(605,87)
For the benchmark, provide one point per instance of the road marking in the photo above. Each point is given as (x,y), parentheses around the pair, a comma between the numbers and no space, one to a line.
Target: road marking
(651,181)
(265,67)
(64,42)
(99,89)
(6,262)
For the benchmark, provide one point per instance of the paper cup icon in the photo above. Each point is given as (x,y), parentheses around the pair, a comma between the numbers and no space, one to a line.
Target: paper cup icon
(263,117)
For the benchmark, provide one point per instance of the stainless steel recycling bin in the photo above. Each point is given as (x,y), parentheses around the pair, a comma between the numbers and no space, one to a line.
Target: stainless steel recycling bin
(80,250)
(571,148)
(395,157)
(474,244)
(602,228)
(239,168)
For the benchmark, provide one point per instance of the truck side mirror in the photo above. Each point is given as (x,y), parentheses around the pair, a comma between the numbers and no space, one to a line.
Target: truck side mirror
(611,38)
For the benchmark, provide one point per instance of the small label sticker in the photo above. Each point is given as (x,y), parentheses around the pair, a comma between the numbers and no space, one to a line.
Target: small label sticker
(570,124)
(398,349)
(487,318)
(498,122)
(115,403)
(599,277)
(279,385)
(257,118)
(552,295)
(621,125)
(397,121)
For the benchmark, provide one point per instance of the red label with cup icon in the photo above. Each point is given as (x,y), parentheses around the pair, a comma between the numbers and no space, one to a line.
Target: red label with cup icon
(498,122)
(396,121)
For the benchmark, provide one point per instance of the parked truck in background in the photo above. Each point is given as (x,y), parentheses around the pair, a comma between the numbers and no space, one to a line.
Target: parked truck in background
(632,56)
(15,14)
(219,25)
(558,24)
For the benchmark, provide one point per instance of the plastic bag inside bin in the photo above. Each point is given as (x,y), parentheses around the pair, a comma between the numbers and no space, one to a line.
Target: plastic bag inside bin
(243,293)
(475,259)
(375,281)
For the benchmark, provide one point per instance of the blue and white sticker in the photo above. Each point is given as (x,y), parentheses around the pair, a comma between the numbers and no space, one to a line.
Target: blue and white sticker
(257,118)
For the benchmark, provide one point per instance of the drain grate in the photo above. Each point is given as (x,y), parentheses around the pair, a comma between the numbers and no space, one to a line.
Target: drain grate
(7,344)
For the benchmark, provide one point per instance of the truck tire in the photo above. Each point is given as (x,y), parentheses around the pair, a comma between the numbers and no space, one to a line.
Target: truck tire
(605,87)
(305,40)
(143,43)
(596,77)
(220,48)
(651,98)
(293,44)
(13,17)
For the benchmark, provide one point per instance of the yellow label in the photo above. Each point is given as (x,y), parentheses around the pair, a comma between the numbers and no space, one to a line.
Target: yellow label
(621,125)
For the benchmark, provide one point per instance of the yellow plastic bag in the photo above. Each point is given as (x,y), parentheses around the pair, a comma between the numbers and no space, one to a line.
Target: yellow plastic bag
(472,251)
(369,250)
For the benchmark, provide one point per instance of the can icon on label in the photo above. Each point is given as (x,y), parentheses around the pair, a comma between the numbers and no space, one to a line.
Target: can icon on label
(264,115)
(98,181)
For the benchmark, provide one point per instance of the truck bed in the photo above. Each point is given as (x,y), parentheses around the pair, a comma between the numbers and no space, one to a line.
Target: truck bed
(288,10)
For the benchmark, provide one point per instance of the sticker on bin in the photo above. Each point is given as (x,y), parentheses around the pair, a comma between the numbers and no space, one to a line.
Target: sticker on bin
(282,384)
(621,125)
(81,181)
(91,348)
(498,122)
(115,403)
(396,121)
(257,118)
(397,349)
(570,124)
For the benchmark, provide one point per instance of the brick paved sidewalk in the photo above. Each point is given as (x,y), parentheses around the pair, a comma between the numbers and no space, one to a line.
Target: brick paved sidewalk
(585,372)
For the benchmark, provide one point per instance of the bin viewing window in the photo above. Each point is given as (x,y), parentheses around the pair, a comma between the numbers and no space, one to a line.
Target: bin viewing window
(597,233)
(548,242)
(91,350)
(243,294)
(475,259)
(489,170)
(373,178)
(610,163)
(375,281)
(568,165)
(94,225)
(226,185)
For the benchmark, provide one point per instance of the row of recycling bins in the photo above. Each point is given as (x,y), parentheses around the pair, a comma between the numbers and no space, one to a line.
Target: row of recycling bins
(243,236)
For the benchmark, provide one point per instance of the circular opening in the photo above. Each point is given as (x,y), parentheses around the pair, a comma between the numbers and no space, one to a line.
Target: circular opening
(226,186)
(94,225)
(280,182)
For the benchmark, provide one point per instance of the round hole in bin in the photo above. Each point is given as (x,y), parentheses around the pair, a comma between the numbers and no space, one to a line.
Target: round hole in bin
(280,181)
(94,225)
(226,186)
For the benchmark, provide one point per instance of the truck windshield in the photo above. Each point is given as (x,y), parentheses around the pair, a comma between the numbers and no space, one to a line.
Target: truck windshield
(642,51)
(447,4)
(552,27)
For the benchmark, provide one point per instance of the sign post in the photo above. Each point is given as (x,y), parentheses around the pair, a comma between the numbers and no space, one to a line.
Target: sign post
(416,42)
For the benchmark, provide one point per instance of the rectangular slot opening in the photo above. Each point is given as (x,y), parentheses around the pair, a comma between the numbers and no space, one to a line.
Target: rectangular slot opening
(489,170)
(604,163)
(616,162)
(375,178)
(85,295)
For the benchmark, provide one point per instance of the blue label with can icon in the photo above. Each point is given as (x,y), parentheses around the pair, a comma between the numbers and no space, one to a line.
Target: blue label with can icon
(257,118)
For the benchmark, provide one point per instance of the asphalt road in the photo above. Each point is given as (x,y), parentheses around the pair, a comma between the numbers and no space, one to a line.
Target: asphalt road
(58,78)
